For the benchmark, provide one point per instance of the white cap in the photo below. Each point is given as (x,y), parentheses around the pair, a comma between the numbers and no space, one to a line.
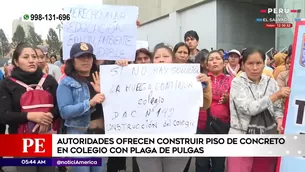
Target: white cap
(234,51)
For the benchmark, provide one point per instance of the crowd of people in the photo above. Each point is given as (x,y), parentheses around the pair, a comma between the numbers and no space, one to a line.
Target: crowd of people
(242,90)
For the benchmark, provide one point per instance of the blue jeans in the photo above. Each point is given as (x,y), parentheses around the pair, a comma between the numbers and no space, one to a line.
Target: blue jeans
(85,168)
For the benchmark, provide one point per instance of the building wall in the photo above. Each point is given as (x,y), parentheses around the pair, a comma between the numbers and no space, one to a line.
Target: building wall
(284,37)
(220,24)
(152,9)
(171,28)
(237,26)
(154,33)
(202,19)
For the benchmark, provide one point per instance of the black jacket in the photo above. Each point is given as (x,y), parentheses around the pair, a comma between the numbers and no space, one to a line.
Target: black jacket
(10,110)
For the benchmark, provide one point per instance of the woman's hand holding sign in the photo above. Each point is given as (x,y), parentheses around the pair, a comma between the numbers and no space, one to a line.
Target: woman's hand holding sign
(96,82)
(203,78)
(121,63)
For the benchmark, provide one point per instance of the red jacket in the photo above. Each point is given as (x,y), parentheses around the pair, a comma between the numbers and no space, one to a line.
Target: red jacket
(220,85)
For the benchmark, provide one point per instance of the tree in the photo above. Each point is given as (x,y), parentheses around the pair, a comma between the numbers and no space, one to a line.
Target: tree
(19,36)
(59,27)
(33,37)
(53,41)
(4,44)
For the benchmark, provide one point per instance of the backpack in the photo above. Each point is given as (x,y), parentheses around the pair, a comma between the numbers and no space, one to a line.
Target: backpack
(35,99)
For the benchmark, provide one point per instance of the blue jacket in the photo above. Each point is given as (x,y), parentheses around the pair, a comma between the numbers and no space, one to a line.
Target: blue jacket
(1,75)
(73,103)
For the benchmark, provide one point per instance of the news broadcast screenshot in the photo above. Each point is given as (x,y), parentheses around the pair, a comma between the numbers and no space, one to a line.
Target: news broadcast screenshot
(152,86)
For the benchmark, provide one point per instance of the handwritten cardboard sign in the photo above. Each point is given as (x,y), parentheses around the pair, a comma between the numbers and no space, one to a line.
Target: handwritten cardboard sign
(111,30)
(293,121)
(151,98)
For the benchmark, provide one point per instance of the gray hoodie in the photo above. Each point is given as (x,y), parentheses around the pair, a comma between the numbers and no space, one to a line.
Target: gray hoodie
(247,106)
(54,71)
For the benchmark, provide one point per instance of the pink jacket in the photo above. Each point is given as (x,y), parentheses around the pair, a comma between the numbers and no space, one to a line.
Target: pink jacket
(220,85)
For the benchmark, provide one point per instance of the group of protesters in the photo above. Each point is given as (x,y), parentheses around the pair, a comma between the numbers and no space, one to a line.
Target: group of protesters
(238,86)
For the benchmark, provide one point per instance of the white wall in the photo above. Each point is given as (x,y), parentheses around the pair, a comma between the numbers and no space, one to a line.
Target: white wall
(171,29)
(202,19)
(155,32)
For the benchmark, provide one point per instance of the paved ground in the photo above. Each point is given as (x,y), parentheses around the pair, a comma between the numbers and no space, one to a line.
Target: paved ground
(128,163)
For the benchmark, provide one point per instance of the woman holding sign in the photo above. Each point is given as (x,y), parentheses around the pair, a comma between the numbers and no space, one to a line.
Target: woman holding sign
(216,119)
(164,54)
(79,98)
(114,164)
(255,106)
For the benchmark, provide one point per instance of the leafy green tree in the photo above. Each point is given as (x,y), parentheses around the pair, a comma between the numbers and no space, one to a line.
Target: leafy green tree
(19,36)
(53,41)
(4,44)
(59,27)
(33,37)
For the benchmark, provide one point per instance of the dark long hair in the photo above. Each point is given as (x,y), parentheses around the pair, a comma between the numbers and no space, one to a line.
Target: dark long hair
(19,50)
(61,56)
(160,47)
(211,52)
(70,70)
(144,51)
(181,44)
(201,58)
(251,50)
(177,46)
